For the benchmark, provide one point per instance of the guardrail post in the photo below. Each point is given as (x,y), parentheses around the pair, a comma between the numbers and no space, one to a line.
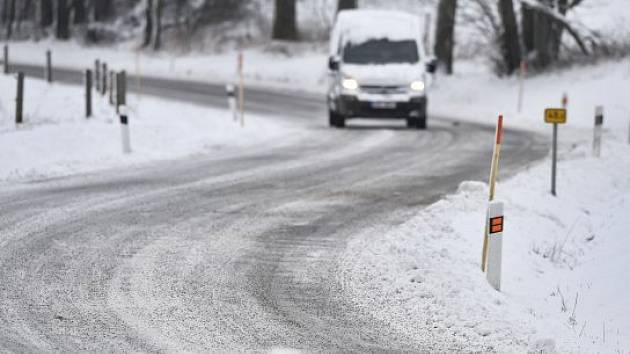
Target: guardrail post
(112,86)
(5,61)
(97,75)
(104,79)
(49,75)
(88,93)
(19,99)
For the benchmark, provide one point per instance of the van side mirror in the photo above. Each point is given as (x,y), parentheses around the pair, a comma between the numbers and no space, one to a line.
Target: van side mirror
(432,65)
(333,63)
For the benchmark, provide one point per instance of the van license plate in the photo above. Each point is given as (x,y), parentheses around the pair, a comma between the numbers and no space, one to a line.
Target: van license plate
(384,105)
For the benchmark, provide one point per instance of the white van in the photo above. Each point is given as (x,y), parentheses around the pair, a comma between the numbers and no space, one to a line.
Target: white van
(377,68)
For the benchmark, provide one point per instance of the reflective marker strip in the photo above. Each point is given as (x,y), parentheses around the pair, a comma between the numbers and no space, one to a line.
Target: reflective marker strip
(500,129)
(496,225)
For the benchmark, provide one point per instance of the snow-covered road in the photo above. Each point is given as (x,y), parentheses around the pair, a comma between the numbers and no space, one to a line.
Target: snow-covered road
(236,251)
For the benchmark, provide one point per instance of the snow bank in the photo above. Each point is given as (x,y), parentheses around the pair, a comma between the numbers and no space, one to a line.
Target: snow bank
(56,139)
(299,68)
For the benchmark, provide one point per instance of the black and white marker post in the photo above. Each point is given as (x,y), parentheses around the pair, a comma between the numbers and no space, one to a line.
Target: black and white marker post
(230,90)
(123,111)
(495,243)
(597,131)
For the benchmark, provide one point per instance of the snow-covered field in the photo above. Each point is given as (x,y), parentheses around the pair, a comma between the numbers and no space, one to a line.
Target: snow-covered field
(56,139)
(564,258)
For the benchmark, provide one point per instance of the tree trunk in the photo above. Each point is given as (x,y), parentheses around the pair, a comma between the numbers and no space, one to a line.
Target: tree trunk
(63,25)
(5,11)
(347,4)
(103,10)
(46,12)
(10,18)
(148,23)
(444,34)
(158,25)
(510,43)
(80,14)
(284,25)
(527,27)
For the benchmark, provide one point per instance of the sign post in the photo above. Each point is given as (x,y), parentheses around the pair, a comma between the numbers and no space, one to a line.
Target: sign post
(494,228)
(555,116)
(597,132)
(494,171)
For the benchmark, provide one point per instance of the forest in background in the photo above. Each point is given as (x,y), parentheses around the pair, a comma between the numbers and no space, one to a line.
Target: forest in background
(511,31)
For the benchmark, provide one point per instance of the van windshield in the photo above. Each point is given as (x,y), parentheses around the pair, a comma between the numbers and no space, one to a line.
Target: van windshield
(381,51)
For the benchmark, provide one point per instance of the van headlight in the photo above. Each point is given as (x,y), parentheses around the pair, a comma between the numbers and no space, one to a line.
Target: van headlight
(417,86)
(349,84)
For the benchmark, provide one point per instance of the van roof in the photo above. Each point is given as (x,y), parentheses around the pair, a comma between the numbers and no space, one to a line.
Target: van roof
(361,25)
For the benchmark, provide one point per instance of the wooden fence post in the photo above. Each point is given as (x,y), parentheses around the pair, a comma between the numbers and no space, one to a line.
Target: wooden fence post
(88,93)
(19,99)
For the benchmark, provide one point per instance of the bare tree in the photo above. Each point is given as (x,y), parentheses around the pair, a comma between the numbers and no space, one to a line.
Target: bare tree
(444,34)
(46,13)
(347,4)
(79,11)
(157,43)
(510,43)
(63,23)
(284,24)
(543,22)
(103,10)
(148,23)
(10,18)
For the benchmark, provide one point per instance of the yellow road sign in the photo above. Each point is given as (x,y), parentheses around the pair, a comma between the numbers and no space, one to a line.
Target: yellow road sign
(556,115)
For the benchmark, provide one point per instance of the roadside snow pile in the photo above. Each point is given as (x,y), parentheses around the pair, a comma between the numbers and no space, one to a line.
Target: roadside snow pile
(56,139)
(564,264)
(565,259)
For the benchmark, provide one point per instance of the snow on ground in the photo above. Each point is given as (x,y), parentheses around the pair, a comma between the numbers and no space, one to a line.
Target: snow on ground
(565,286)
(296,67)
(56,139)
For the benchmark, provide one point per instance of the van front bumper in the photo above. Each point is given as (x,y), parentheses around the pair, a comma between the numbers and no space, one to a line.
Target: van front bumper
(351,106)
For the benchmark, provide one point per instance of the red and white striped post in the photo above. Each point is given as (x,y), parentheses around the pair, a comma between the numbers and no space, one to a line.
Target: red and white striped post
(494,171)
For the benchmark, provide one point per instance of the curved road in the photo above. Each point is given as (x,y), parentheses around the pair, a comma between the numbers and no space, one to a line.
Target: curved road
(237,251)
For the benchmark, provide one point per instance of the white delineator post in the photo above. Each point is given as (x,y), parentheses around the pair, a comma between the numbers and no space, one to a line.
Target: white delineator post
(123,112)
(494,171)
(597,131)
(230,90)
(494,228)
(241,89)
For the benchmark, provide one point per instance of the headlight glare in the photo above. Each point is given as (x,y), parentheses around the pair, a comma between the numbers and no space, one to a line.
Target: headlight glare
(417,86)
(350,84)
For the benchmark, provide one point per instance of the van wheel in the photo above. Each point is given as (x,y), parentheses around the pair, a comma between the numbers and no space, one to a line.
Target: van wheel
(336,120)
(417,123)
